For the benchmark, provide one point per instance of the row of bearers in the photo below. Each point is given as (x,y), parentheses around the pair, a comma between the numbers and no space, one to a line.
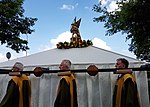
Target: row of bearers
(18,92)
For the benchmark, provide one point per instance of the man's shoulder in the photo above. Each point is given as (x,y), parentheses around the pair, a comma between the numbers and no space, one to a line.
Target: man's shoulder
(129,78)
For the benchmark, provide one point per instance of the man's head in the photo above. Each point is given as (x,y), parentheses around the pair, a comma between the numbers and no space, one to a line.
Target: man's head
(65,65)
(122,63)
(17,67)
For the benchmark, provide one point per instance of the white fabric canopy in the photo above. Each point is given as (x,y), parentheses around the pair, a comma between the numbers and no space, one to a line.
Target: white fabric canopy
(92,91)
(53,57)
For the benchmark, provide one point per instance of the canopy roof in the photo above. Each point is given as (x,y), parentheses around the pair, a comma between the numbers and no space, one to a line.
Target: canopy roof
(86,55)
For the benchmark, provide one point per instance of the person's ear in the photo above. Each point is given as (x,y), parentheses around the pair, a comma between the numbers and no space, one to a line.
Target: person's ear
(67,67)
(123,65)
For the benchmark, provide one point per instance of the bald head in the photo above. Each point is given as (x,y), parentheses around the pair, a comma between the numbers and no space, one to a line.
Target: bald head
(18,66)
(65,65)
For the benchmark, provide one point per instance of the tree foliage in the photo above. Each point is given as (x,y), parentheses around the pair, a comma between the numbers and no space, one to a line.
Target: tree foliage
(132,17)
(13,24)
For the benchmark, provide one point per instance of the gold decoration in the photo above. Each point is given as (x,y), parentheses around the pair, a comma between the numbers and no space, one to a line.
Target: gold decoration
(75,40)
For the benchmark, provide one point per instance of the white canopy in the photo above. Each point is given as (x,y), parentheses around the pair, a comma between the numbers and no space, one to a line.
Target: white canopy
(94,91)
(79,56)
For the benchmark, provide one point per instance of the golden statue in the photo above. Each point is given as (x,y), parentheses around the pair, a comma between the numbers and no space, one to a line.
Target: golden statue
(75,31)
(75,40)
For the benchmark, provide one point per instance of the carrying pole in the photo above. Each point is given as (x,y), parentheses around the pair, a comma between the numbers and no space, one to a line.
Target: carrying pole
(45,70)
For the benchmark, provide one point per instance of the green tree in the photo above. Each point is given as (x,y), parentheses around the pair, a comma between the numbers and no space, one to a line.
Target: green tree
(13,24)
(132,18)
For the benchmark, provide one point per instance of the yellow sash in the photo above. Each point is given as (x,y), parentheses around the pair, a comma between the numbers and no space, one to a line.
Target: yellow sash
(120,85)
(69,81)
(19,81)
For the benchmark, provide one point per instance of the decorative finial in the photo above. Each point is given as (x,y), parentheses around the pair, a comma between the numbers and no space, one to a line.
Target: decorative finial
(8,55)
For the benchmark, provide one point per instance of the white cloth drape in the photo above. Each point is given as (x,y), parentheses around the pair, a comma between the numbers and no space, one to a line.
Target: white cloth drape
(93,91)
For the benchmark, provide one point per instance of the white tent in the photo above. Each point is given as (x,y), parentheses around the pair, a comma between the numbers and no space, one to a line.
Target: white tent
(79,56)
(92,91)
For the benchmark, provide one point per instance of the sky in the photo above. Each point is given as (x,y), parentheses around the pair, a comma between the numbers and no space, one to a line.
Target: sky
(54,23)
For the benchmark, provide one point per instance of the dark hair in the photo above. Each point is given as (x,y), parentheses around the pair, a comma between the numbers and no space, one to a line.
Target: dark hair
(124,61)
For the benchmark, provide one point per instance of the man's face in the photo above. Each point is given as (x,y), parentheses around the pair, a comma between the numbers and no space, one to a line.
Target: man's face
(15,68)
(119,64)
(63,66)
